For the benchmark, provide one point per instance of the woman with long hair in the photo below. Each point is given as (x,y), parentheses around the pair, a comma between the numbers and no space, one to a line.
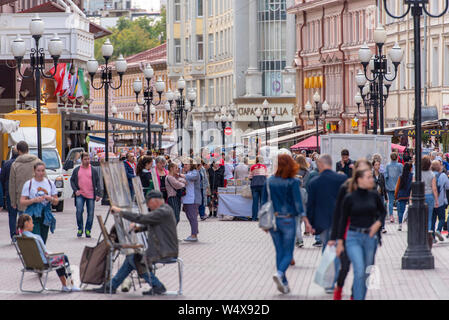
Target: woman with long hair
(38,195)
(192,199)
(175,182)
(287,205)
(144,172)
(344,262)
(402,192)
(303,175)
(364,211)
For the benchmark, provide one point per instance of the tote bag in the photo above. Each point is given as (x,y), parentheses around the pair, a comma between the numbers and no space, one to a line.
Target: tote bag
(325,274)
(267,219)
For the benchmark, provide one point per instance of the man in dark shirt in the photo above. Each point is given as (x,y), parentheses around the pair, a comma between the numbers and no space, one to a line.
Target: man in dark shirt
(4,180)
(162,238)
(345,165)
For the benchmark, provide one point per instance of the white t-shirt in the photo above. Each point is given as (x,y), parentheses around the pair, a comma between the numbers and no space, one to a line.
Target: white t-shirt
(39,189)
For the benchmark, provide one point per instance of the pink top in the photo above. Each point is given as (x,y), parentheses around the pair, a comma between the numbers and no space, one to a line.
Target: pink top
(85,182)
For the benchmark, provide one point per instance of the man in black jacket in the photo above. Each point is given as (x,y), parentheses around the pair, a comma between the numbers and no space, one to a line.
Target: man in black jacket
(85,182)
(4,180)
(162,242)
(345,165)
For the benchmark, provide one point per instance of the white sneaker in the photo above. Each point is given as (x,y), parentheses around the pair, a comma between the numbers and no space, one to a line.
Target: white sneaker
(281,287)
(65,289)
(191,239)
(75,289)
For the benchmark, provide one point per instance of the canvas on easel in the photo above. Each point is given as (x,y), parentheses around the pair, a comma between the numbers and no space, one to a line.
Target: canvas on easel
(140,198)
(117,187)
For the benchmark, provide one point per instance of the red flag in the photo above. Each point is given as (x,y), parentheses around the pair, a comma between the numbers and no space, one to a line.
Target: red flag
(59,76)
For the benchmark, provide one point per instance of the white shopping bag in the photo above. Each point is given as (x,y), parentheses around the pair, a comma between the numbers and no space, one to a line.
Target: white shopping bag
(404,218)
(325,273)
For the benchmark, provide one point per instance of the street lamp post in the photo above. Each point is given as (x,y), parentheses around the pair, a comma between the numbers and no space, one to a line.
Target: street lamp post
(320,110)
(148,96)
(223,119)
(418,254)
(264,111)
(378,65)
(184,103)
(358,99)
(37,64)
(106,82)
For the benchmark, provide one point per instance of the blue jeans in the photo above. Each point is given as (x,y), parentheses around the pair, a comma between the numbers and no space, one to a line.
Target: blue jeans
(257,199)
(361,249)
(90,205)
(202,208)
(430,201)
(284,243)
(390,202)
(439,213)
(127,267)
(12,215)
(401,209)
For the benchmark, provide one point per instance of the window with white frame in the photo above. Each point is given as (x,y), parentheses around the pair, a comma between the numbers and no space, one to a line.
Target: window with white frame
(200,47)
(435,66)
(199,8)
(446,64)
(211,46)
(187,49)
(178,50)
(221,43)
(210,93)
(177,10)
(210,7)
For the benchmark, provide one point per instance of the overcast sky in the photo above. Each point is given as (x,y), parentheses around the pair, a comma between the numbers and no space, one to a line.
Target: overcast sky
(149,4)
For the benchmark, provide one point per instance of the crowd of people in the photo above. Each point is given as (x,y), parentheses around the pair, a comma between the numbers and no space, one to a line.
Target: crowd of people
(344,204)
(347,207)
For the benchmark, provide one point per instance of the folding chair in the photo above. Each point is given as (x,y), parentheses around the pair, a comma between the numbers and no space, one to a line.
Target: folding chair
(112,248)
(28,252)
(180,271)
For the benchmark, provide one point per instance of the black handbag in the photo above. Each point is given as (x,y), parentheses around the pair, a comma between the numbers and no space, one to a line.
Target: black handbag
(179,192)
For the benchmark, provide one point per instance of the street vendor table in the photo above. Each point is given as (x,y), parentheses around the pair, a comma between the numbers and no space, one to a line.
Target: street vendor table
(234,205)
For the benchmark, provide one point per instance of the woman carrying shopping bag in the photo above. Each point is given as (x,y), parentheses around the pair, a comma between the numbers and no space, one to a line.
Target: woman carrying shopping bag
(282,190)
(365,211)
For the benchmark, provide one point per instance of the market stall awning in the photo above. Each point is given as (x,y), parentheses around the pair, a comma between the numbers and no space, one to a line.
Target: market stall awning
(308,144)
(400,148)
(261,132)
(9,126)
(294,136)
(424,125)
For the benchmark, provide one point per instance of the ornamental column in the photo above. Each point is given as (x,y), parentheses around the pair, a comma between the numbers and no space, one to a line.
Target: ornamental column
(253,76)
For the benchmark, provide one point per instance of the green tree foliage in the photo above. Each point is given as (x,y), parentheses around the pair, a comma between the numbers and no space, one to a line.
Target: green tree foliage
(131,37)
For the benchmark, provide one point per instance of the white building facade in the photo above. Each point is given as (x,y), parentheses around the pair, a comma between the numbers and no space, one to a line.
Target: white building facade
(235,54)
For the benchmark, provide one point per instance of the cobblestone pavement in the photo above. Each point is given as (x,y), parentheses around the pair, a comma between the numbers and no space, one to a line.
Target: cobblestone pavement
(233,260)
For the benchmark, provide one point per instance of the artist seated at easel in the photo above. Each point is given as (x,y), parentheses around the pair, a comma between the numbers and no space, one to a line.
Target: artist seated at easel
(162,242)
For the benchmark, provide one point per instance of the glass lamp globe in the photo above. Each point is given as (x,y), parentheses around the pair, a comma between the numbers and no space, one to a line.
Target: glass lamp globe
(107,49)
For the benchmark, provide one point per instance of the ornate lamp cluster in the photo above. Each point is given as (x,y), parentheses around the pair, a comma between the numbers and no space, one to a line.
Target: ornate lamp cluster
(185,101)
(320,111)
(107,82)
(148,97)
(376,88)
(37,63)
